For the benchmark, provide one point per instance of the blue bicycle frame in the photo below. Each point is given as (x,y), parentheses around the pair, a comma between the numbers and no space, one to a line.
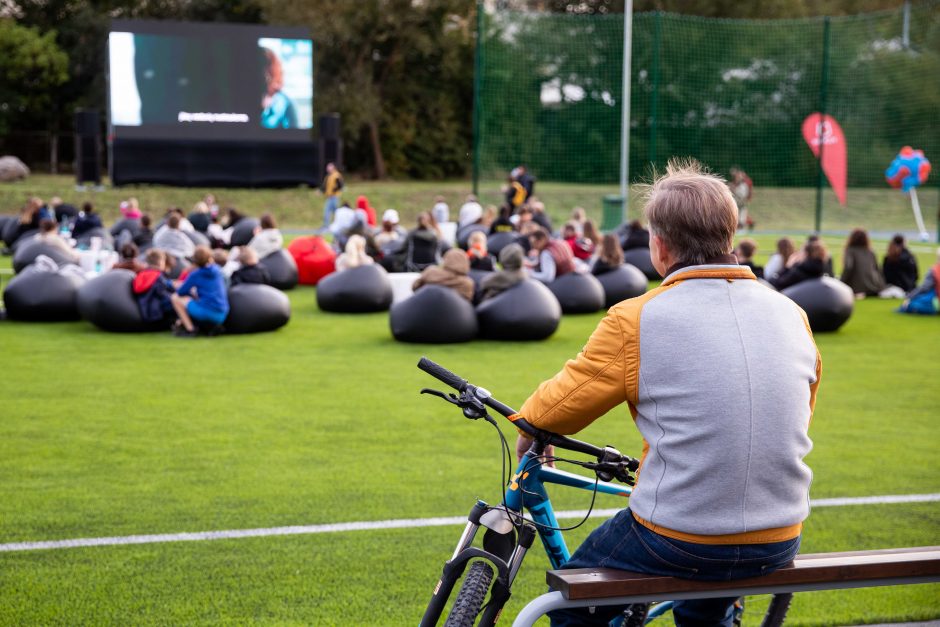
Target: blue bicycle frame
(530,494)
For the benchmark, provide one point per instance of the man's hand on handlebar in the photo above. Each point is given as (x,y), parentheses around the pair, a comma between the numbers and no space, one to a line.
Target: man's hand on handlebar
(522,445)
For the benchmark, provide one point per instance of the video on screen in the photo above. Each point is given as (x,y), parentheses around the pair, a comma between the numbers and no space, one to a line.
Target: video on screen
(223,83)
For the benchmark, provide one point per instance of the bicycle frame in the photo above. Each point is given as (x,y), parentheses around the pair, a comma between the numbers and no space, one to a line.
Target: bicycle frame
(526,492)
(531,495)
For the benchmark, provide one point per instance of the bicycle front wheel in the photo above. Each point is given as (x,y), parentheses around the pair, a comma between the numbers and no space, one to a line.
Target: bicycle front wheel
(469,600)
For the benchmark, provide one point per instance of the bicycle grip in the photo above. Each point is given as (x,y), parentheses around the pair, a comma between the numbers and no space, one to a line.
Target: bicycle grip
(442,374)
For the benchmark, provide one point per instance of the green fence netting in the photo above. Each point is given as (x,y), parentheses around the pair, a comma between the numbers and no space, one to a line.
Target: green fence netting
(727,92)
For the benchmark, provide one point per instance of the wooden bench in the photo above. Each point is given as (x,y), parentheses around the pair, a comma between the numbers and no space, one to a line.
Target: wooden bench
(589,587)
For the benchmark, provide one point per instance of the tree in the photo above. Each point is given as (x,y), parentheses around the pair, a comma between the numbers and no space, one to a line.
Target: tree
(400,73)
(32,67)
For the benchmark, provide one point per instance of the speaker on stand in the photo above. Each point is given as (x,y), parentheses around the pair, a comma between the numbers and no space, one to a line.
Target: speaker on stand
(330,146)
(87,147)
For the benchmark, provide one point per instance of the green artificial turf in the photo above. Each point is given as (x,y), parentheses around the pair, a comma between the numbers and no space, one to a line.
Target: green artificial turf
(321,421)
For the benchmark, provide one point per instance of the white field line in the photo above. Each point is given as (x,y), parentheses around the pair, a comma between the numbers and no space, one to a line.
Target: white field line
(404,523)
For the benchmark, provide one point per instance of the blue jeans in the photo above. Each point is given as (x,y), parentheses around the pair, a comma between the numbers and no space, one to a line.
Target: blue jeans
(625,544)
(332,202)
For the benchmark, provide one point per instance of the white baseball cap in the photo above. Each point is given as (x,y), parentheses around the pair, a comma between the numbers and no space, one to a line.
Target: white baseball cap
(390,215)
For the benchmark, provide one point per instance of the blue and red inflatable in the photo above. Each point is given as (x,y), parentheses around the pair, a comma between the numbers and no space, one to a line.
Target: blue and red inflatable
(908,170)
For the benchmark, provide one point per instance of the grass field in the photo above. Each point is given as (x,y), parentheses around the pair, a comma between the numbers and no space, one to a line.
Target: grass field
(320,422)
(774,209)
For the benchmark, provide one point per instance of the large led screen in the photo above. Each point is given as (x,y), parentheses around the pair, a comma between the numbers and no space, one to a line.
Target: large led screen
(209,81)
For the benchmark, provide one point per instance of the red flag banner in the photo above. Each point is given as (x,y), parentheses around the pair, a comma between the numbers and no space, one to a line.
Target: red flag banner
(820,130)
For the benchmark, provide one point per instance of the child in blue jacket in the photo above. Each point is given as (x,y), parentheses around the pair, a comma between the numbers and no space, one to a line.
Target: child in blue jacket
(202,296)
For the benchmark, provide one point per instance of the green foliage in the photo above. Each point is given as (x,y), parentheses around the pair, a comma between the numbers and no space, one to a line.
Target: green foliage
(726,92)
(400,74)
(32,67)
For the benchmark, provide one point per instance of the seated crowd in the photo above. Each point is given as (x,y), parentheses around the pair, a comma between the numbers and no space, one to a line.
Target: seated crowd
(197,298)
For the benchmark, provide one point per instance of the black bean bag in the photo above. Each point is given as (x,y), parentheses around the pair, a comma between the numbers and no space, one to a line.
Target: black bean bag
(198,239)
(621,283)
(28,251)
(282,268)
(362,289)
(256,308)
(498,241)
(526,311)
(108,302)
(464,234)
(640,257)
(23,239)
(578,293)
(84,240)
(828,302)
(434,315)
(36,296)
(11,225)
(4,221)
(243,231)
(131,225)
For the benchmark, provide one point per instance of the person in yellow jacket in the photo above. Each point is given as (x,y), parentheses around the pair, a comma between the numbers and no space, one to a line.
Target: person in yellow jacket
(719,374)
(332,188)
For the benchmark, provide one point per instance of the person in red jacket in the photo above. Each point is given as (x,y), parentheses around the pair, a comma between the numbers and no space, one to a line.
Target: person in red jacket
(554,257)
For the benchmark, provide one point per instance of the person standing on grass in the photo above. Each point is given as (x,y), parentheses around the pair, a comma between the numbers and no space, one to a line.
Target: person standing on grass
(720,375)
(202,296)
(332,188)
(742,187)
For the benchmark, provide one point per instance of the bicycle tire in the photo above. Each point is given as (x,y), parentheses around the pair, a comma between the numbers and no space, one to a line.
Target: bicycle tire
(470,598)
(777,610)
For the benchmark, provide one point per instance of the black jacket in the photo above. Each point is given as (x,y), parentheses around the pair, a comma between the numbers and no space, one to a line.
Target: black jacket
(901,272)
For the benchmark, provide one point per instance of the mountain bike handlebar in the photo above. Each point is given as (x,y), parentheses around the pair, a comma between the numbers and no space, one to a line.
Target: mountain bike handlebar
(605,454)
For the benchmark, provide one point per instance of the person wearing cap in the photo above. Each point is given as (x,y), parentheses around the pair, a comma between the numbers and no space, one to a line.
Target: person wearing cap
(391,229)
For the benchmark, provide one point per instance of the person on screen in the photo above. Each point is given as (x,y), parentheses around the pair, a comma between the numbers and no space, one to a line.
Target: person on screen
(277,110)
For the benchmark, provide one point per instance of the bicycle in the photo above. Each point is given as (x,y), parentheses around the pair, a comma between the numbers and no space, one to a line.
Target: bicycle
(509,534)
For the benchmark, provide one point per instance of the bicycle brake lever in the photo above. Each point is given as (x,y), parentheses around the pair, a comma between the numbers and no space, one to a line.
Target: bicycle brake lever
(450,398)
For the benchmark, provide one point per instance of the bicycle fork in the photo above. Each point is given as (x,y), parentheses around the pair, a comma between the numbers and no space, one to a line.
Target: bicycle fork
(500,548)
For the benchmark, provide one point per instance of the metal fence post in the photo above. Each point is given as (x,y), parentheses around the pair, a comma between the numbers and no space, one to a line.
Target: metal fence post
(823,93)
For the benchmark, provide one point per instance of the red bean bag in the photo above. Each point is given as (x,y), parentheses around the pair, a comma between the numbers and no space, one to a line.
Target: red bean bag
(315,259)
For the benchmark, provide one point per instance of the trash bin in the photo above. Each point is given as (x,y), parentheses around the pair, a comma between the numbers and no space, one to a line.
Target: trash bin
(612,212)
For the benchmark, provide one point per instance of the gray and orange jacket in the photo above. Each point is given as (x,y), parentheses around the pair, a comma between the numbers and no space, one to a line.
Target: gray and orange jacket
(720,374)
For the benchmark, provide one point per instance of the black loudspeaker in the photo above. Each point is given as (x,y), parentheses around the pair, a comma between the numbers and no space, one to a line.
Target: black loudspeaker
(87,142)
(329,126)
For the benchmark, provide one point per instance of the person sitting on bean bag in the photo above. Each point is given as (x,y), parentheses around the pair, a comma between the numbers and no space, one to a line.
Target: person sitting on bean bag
(152,288)
(610,257)
(809,263)
(860,269)
(129,261)
(202,296)
(451,273)
(355,254)
(267,238)
(171,238)
(554,257)
(510,258)
(50,236)
(745,253)
(250,271)
(87,220)
(900,266)
(581,247)
(480,258)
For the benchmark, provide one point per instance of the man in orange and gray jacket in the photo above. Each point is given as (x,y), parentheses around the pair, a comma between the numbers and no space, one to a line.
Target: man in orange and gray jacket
(720,375)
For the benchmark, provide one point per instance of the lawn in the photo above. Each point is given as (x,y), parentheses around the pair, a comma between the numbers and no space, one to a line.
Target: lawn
(320,422)
(774,209)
